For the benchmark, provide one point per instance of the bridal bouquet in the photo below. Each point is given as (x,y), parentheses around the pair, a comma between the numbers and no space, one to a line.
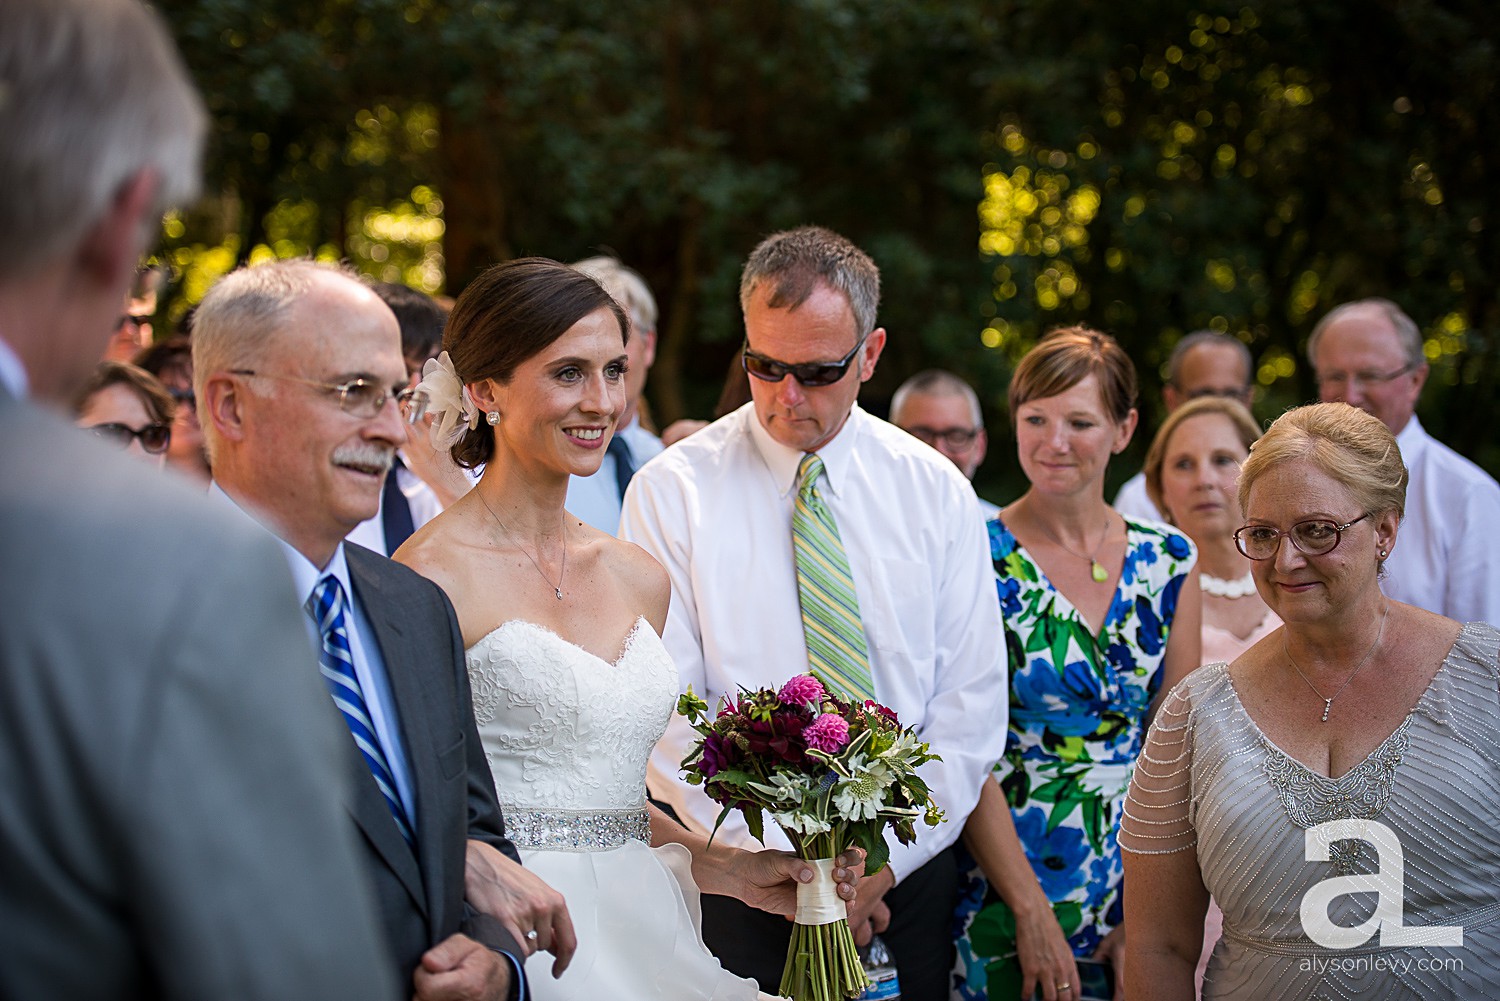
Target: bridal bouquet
(831,774)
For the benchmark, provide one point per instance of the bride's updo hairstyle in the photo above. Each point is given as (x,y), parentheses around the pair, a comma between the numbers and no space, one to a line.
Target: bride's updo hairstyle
(508,314)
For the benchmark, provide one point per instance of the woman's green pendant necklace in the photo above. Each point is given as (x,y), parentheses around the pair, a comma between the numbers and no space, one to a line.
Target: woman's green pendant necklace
(1096,569)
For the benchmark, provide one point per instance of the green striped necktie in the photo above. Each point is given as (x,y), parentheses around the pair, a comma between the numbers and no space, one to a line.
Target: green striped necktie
(836,650)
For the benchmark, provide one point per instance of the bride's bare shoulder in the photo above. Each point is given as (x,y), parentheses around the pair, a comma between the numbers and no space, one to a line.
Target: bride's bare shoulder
(636,573)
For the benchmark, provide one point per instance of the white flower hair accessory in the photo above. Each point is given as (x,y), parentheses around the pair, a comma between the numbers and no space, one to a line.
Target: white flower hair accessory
(448,400)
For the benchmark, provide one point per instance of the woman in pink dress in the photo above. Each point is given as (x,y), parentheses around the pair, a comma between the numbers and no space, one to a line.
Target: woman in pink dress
(1192,472)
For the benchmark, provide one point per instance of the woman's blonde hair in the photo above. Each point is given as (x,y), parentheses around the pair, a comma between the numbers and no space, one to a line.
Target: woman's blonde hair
(1156,456)
(1348,444)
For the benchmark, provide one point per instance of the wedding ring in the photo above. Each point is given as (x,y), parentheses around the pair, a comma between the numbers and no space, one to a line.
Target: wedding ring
(531,935)
(1064,987)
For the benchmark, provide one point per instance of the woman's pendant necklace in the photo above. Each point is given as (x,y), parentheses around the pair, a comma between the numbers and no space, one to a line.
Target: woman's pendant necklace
(1096,569)
(1328,699)
(561,573)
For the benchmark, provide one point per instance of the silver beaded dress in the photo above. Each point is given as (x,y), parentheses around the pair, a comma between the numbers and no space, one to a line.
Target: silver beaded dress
(1424,809)
(567,735)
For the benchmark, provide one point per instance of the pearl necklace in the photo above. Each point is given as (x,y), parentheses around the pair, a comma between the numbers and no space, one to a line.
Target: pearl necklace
(1222,588)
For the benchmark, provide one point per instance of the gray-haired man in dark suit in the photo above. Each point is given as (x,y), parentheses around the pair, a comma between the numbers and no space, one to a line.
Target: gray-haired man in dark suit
(171,825)
(297,367)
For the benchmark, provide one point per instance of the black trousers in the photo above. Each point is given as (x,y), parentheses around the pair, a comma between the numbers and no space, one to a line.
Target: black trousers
(753,943)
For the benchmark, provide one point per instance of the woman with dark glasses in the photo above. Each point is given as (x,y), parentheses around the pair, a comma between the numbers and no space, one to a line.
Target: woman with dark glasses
(1336,788)
(128,407)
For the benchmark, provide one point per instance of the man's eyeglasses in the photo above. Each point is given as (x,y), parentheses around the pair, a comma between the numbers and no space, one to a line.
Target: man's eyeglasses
(154,438)
(1315,537)
(1338,379)
(363,398)
(813,373)
(954,438)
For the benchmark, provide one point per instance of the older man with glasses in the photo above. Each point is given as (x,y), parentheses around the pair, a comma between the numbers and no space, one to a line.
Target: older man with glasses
(1368,353)
(941,410)
(734,513)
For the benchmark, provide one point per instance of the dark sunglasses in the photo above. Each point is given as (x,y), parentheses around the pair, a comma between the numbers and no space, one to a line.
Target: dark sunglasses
(812,373)
(154,437)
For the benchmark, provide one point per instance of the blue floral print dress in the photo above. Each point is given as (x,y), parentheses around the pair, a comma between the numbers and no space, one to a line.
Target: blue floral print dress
(1078,718)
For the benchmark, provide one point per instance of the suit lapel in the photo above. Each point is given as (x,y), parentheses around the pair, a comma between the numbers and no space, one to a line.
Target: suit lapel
(404,656)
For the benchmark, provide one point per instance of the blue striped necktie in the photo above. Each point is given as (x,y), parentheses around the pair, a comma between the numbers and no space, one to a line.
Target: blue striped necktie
(836,650)
(328,609)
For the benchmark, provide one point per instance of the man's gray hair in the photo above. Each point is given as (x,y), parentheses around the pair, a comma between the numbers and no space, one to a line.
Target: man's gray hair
(1407,333)
(796,260)
(937,382)
(625,286)
(242,314)
(1198,338)
(92,92)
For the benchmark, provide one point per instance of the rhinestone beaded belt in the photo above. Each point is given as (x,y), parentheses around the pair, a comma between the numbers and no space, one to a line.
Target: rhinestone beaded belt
(576,830)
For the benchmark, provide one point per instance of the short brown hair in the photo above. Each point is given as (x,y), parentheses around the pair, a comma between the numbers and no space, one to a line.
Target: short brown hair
(508,314)
(1064,358)
(153,395)
(1356,449)
(1156,455)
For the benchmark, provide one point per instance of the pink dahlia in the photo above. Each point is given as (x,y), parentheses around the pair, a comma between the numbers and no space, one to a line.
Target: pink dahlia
(801,690)
(828,733)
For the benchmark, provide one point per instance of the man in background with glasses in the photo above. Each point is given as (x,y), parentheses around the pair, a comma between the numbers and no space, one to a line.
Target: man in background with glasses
(1203,363)
(801,533)
(1368,353)
(941,410)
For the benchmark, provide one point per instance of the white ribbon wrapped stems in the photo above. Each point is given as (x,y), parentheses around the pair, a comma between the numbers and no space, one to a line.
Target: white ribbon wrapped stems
(448,401)
(818,902)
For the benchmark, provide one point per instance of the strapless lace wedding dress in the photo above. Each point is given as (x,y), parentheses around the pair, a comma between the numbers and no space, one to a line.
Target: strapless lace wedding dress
(567,735)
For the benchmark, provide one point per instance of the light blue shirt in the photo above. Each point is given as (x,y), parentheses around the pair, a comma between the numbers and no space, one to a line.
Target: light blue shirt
(369,665)
(12,372)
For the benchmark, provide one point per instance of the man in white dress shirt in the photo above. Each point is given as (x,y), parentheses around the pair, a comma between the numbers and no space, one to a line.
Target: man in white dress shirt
(1203,363)
(596,499)
(407,502)
(717,510)
(1368,353)
(941,410)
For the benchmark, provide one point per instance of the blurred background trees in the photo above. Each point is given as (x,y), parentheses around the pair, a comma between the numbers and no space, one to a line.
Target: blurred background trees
(1012,165)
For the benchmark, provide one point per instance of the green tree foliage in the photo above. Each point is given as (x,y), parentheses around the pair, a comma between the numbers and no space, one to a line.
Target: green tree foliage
(1147,168)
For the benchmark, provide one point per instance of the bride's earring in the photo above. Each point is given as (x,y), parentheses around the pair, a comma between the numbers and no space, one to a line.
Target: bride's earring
(493,417)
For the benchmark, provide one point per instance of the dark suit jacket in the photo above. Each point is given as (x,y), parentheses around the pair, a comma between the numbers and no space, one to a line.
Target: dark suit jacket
(172,825)
(421,892)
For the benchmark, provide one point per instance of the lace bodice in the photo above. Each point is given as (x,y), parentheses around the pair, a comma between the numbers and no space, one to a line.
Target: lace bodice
(564,729)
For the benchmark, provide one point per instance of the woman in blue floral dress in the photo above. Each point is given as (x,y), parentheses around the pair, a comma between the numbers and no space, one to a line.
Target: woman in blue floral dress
(1101,617)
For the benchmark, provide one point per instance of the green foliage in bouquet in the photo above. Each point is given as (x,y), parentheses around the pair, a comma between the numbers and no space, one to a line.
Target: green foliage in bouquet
(832,774)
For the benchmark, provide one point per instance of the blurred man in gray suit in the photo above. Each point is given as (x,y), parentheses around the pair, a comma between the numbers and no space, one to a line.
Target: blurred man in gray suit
(297,369)
(172,824)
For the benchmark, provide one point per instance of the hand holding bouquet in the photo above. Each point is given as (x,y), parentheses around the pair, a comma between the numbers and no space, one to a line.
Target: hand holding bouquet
(832,774)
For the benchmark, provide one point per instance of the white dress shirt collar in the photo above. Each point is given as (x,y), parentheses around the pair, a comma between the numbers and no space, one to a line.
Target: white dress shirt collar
(12,371)
(783,462)
(1412,440)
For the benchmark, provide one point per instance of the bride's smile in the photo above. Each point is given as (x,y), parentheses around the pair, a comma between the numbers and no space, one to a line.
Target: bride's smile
(559,407)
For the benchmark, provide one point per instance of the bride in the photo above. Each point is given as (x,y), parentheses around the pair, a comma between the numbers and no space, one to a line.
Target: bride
(571,684)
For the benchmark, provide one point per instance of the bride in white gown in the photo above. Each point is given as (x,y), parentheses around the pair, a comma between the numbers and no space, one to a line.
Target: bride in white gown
(571,684)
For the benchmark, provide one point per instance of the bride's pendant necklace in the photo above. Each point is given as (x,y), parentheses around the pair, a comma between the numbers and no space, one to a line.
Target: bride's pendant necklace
(562,572)
(1096,569)
(1219,587)
(1328,699)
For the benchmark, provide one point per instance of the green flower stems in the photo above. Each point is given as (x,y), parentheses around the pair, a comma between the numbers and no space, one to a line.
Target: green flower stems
(822,963)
